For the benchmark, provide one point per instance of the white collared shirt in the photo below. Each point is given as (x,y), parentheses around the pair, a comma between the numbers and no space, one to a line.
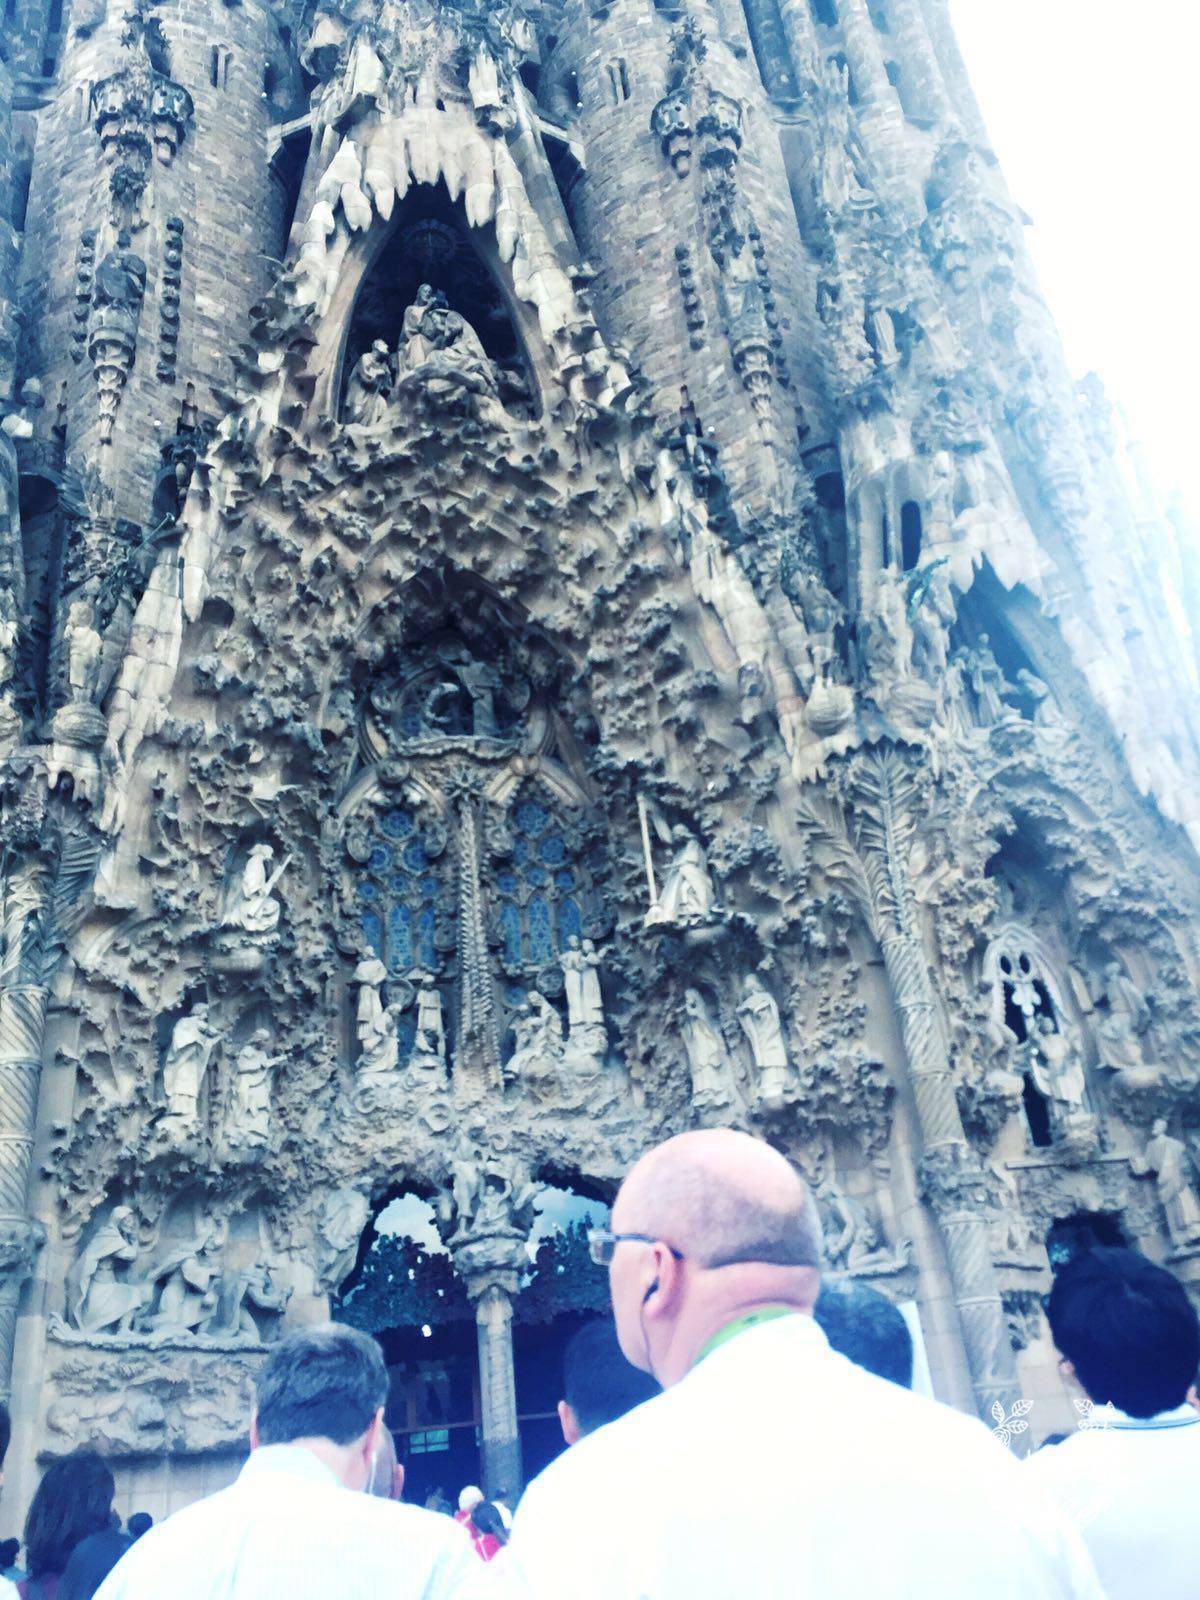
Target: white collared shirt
(777,1469)
(1131,1485)
(286,1529)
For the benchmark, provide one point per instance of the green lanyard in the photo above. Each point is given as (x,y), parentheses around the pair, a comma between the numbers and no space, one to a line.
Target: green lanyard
(751,1319)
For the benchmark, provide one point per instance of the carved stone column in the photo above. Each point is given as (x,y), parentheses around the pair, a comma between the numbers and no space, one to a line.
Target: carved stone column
(863,55)
(919,60)
(490,1266)
(870,859)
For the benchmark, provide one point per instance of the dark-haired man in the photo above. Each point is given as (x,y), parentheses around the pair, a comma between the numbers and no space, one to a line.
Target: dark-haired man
(1128,1335)
(863,1324)
(770,1465)
(296,1523)
(599,1384)
(8,1591)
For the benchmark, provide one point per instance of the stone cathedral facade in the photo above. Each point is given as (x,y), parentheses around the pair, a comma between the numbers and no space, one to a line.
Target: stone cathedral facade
(554,589)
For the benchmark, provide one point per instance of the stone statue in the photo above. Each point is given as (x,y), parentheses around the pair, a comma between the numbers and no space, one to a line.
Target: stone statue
(187,1060)
(370,386)
(1170,1160)
(378,1044)
(105,1298)
(440,353)
(987,683)
(1056,1067)
(1118,1036)
(120,280)
(10,629)
(249,1124)
(889,636)
(429,1044)
(188,1275)
(252,905)
(339,1227)
(705,1050)
(759,1016)
(84,647)
(466,1186)
(854,1240)
(687,892)
(538,1037)
(581,978)
(234,1292)
(932,610)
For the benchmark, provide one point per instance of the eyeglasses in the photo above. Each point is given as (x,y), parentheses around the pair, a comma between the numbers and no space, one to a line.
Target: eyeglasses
(602,1245)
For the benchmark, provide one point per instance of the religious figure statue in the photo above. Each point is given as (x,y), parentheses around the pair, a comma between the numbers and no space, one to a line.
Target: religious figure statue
(429,1043)
(378,1043)
(538,1038)
(705,1051)
(370,386)
(1118,1035)
(758,1014)
(339,1226)
(987,683)
(234,1292)
(188,1275)
(1174,1167)
(932,611)
(10,629)
(581,979)
(1056,1067)
(188,1056)
(84,647)
(888,642)
(687,892)
(1046,713)
(441,354)
(252,905)
(105,1298)
(249,1125)
(854,1239)
(120,278)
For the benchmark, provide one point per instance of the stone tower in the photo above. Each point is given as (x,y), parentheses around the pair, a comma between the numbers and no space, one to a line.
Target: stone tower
(555,588)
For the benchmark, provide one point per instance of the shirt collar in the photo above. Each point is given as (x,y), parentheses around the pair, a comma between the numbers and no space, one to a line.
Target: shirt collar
(289,1460)
(1178,1417)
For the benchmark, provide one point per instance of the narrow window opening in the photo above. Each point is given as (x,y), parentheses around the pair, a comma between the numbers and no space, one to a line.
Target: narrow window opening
(910,535)
(880,17)
(618,81)
(851,87)
(825,12)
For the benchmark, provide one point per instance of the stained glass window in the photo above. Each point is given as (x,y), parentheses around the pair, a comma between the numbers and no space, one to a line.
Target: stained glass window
(540,887)
(399,894)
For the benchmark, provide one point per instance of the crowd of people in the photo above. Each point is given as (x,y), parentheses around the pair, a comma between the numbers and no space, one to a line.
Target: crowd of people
(737,1428)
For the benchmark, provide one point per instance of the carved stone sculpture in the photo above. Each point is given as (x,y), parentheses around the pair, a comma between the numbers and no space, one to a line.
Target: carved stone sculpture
(1176,1178)
(370,386)
(441,358)
(1127,1016)
(187,1275)
(854,1240)
(252,905)
(429,1042)
(378,1043)
(706,1054)
(234,1293)
(587,1036)
(342,1218)
(118,289)
(758,1014)
(1056,1066)
(83,651)
(189,1053)
(688,895)
(249,1117)
(538,1039)
(104,1295)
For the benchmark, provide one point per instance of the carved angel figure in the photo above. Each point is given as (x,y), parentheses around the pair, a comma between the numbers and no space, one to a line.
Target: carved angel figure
(188,1275)
(1118,1036)
(378,1044)
(370,386)
(581,978)
(83,651)
(252,905)
(249,1125)
(189,1053)
(105,1297)
(687,894)
(538,1035)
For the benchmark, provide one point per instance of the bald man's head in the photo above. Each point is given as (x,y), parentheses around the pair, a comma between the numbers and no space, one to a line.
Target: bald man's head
(720,1197)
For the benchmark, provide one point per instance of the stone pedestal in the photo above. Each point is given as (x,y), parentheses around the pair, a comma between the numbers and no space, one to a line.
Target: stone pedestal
(490,1265)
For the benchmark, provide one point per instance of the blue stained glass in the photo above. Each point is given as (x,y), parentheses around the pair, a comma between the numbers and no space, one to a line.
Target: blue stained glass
(536,877)
(368,891)
(372,929)
(399,883)
(507,883)
(400,954)
(510,927)
(541,943)
(521,852)
(414,856)
(569,921)
(552,850)
(565,879)
(380,858)
(426,927)
(397,824)
(530,818)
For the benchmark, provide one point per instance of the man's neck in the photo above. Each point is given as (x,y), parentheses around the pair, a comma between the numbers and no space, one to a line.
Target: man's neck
(693,1342)
(340,1459)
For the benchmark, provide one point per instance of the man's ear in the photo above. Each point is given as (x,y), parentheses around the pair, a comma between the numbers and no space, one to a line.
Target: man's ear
(1067,1368)
(372,1440)
(569,1423)
(397,1482)
(662,1297)
(255,1441)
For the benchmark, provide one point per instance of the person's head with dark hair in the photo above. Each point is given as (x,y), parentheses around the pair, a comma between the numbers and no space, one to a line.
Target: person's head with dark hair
(91,1562)
(324,1388)
(73,1500)
(5,1436)
(10,1549)
(1126,1330)
(599,1384)
(864,1325)
(140,1522)
(488,1520)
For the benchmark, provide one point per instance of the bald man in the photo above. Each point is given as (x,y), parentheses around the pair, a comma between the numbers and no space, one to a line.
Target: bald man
(770,1465)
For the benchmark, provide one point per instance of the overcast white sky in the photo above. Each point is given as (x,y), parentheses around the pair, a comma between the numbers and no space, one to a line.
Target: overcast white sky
(1092,107)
